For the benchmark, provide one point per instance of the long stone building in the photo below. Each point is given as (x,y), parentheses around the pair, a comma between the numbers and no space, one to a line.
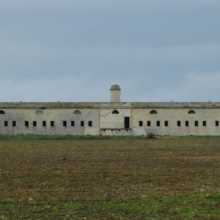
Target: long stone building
(110,118)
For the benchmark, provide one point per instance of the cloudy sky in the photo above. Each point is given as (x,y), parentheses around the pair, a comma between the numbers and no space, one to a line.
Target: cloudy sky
(74,50)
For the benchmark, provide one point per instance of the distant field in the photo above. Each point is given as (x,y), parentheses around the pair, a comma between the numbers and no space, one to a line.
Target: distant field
(110,179)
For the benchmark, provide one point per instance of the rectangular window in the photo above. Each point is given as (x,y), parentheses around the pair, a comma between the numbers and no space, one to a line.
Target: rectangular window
(216,123)
(196,123)
(26,123)
(148,123)
(166,123)
(34,124)
(187,123)
(6,123)
(140,123)
(13,123)
(82,123)
(90,123)
(44,123)
(179,123)
(64,123)
(52,123)
(204,123)
(158,123)
(72,123)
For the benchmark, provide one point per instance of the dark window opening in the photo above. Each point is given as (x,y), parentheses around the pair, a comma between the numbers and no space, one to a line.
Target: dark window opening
(153,112)
(158,123)
(127,122)
(166,123)
(26,124)
(64,123)
(191,112)
(39,112)
(196,123)
(72,123)
(216,123)
(148,123)
(140,123)
(204,123)
(14,124)
(2,112)
(34,124)
(82,123)
(6,123)
(115,112)
(187,123)
(178,123)
(90,123)
(44,123)
(52,123)
(77,112)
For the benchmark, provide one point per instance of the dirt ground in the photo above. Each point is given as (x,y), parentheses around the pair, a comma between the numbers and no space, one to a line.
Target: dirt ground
(110,179)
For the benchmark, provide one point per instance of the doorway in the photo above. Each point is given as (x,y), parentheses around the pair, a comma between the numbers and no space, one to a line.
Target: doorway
(127,122)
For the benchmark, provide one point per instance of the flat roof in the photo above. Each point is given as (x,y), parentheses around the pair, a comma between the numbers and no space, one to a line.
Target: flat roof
(111,105)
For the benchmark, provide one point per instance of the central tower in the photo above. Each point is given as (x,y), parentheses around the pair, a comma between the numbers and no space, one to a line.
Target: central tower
(115,93)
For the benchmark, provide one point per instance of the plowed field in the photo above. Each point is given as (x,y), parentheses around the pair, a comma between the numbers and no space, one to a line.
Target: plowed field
(110,179)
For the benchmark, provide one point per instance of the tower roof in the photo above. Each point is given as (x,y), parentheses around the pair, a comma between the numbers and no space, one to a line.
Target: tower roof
(115,87)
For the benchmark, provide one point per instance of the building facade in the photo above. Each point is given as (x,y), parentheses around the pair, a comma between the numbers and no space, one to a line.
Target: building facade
(110,118)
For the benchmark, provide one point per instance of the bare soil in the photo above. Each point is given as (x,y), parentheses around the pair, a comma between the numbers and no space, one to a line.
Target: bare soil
(110,179)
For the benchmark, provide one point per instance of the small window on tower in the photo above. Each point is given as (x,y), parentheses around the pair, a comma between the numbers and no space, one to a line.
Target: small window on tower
(82,123)
(6,123)
(26,124)
(196,123)
(178,123)
(187,123)
(166,123)
(13,123)
(64,123)
(44,123)
(34,124)
(72,123)
(52,123)
(158,123)
(217,123)
(140,123)
(148,123)
(204,123)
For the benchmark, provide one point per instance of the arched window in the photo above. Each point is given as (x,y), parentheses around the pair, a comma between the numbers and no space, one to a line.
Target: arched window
(77,112)
(153,112)
(2,112)
(191,112)
(115,112)
(39,112)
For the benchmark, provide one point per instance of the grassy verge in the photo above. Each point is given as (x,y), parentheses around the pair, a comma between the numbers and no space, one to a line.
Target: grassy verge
(198,207)
(98,137)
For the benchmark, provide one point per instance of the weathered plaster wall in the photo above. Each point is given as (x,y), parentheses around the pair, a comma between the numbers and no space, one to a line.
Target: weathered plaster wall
(56,115)
(172,116)
(113,121)
(102,118)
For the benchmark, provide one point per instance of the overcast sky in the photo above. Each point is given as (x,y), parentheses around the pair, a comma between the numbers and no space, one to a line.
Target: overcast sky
(74,50)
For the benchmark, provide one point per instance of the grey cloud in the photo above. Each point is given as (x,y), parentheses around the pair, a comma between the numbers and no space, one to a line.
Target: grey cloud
(74,50)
